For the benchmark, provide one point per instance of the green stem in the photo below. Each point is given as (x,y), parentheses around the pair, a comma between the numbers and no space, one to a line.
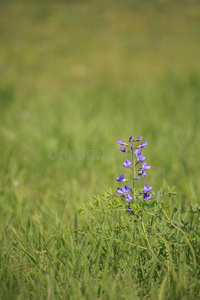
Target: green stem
(150,249)
(134,176)
(129,243)
(167,221)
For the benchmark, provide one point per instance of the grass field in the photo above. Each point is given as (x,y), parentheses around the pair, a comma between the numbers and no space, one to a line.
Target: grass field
(76,76)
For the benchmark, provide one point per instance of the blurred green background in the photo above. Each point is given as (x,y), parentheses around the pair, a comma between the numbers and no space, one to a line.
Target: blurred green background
(79,75)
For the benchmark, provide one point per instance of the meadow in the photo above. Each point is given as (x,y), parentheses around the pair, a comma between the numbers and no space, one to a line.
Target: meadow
(77,76)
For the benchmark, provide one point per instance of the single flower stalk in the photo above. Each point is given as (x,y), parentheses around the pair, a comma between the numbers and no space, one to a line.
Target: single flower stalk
(137,158)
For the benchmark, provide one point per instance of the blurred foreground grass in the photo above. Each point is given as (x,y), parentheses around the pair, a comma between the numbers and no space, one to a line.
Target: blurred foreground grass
(77,76)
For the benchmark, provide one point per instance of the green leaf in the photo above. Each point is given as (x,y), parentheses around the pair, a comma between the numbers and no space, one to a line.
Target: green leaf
(82,209)
(178,211)
(178,223)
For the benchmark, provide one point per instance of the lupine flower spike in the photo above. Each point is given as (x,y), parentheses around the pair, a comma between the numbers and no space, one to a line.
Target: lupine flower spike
(136,159)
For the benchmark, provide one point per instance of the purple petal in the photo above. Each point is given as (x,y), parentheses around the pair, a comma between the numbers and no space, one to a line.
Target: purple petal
(139,139)
(120,178)
(127,188)
(137,178)
(123,149)
(145,188)
(149,197)
(140,158)
(120,142)
(144,165)
(127,164)
(120,192)
(142,173)
(128,198)
(143,145)
(146,196)
(131,138)
(138,152)
(148,167)
(123,189)
(132,147)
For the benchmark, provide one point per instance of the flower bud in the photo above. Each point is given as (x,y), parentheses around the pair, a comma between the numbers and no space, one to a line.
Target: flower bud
(131,138)
(120,142)
(123,149)
(143,145)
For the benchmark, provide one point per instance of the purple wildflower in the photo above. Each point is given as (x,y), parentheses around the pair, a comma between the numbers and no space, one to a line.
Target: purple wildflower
(123,149)
(128,198)
(147,196)
(138,152)
(145,166)
(140,158)
(147,188)
(124,190)
(127,164)
(121,178)
(143,173)
(131,138)
(120,142)
(143,145)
